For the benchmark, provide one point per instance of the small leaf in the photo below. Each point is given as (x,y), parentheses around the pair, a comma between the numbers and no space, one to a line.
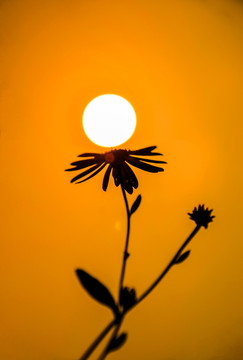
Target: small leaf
(97,290)
(183,257)
(117,342)
(136,204)
(126,255)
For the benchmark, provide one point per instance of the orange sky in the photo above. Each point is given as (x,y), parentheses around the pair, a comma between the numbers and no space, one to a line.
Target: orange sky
(179,63)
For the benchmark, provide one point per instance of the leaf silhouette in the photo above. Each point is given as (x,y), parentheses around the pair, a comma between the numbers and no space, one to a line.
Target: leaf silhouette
(117,342)
(136,204)
(97,290)
(183,257)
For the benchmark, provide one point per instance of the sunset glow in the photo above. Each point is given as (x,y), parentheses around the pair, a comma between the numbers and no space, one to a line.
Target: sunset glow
(179,65)
(109,120)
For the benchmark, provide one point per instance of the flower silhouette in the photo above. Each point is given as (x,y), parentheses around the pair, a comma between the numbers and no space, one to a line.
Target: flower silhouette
(117,161)
(201,216)
(128,298)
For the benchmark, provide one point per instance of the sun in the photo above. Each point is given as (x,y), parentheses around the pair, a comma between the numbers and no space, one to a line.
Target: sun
(109,120)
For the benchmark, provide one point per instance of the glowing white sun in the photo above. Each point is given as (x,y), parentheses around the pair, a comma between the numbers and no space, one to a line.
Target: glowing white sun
(109,120)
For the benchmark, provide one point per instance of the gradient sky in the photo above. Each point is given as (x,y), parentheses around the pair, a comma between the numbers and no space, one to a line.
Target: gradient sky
(180,65)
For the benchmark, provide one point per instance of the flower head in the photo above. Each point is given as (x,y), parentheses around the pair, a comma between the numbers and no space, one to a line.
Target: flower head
(128,298)
(201,216)
(117,161)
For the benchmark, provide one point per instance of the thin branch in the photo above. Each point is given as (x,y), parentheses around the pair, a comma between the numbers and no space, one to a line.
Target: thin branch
(96,342)
(168,267)
(113,336)
(125,254)
(142,297)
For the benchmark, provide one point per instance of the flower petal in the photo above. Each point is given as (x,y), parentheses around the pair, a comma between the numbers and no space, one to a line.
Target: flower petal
(147,160)
(116,176)
(143,166)
(89,155)
(82,164)
(95,173)
(144,151)
(132,177)
(85,172)
(125,181)
(106,177)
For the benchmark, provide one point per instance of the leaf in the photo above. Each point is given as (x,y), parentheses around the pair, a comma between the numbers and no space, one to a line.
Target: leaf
(117,342)
(183,257)
(136,204)
(97,290)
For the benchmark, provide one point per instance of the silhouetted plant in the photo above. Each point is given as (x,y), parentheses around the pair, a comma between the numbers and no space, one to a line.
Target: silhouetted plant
(117,161)
(201,216)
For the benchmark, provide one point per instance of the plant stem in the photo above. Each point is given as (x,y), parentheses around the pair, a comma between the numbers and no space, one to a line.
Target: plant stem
(96,342)
(125,254)
(100,337)
(113,336)
(168,267)
(114,322)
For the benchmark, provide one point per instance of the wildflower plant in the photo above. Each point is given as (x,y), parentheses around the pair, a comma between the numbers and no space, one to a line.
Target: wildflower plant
(118,163)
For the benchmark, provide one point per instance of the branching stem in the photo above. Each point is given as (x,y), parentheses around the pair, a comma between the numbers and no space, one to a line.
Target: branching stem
(168,267)
(113,336)
(96,342)
(117,323)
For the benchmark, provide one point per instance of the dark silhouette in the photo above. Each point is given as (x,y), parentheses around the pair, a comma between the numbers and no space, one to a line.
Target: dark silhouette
(127,298)
(117,162)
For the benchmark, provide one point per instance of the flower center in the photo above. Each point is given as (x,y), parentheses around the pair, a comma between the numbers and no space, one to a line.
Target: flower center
(109,157)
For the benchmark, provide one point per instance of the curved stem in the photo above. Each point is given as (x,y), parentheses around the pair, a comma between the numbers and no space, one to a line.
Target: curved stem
(96,342)
(168,267)
(125,254)
(113,336)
